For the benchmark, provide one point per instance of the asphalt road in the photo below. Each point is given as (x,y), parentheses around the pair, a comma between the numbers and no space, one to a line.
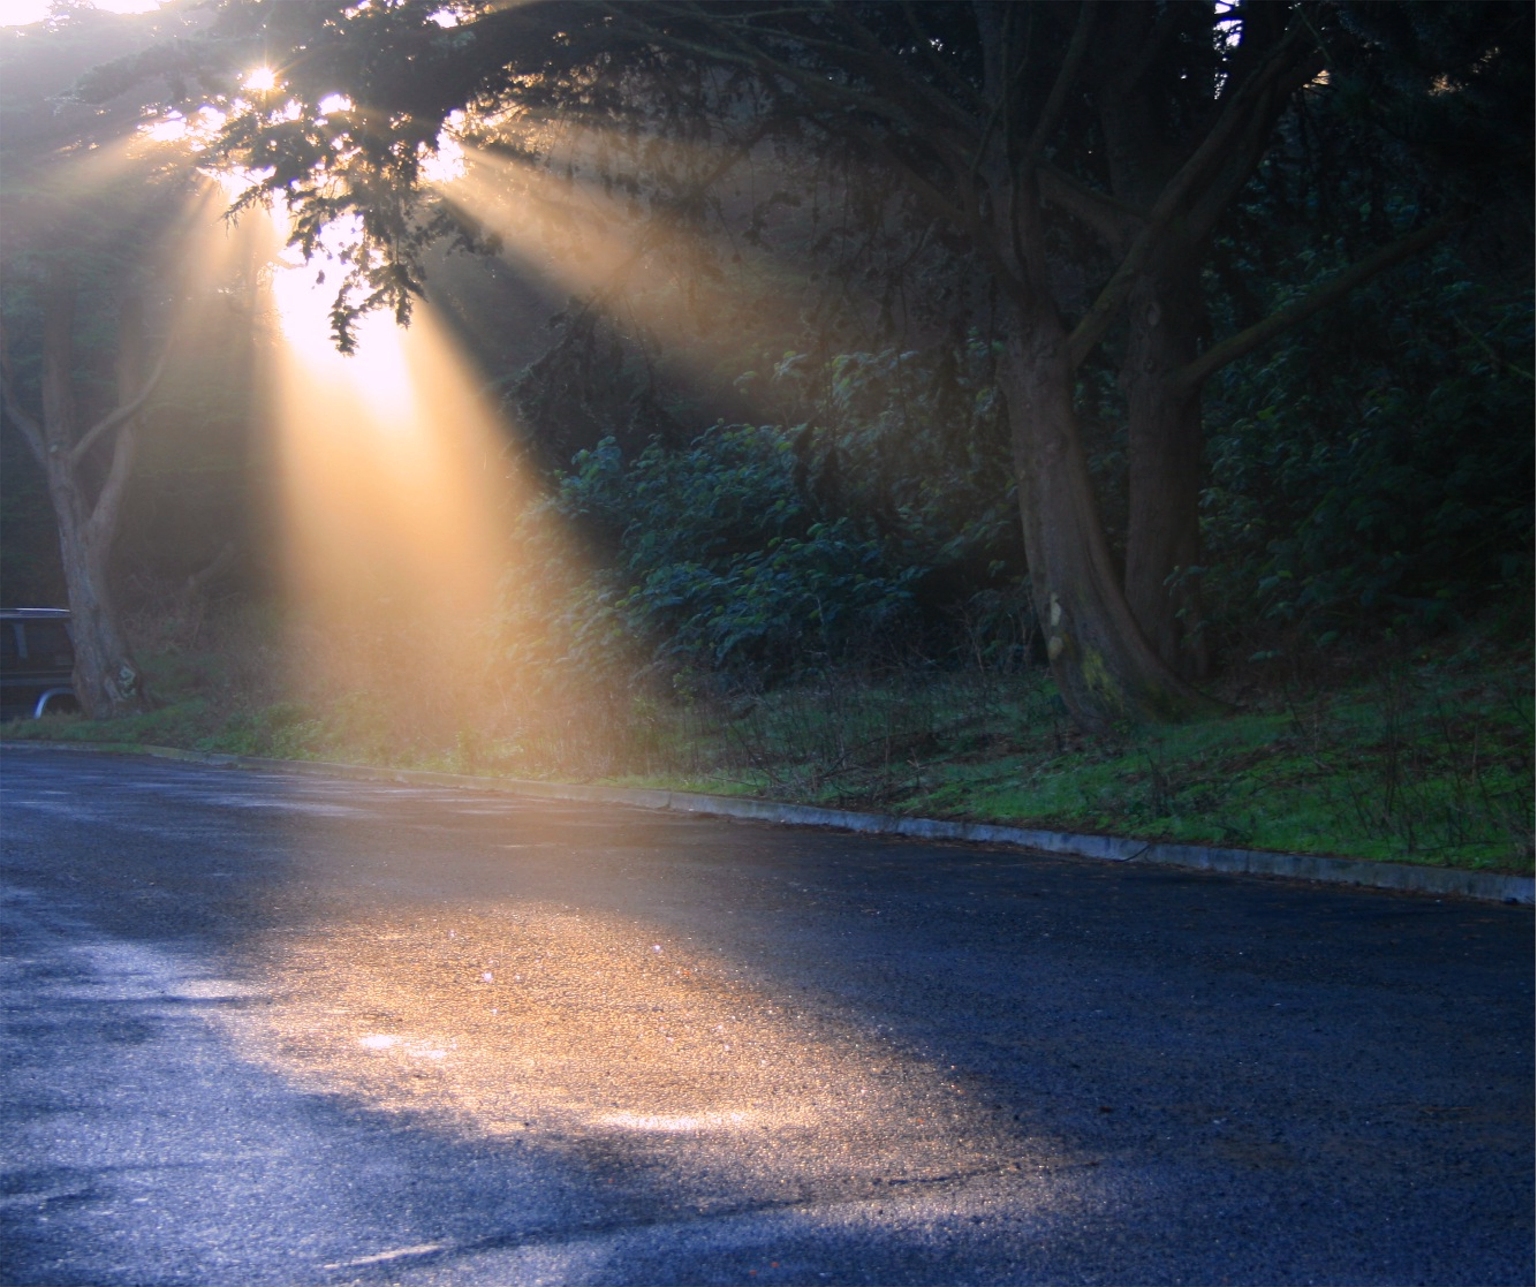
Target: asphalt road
(269,1028)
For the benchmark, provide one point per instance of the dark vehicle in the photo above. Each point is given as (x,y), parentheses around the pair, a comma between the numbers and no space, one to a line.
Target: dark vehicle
(37,662)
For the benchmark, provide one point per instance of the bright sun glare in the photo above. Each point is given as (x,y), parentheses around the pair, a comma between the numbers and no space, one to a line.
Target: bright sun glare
(261,79)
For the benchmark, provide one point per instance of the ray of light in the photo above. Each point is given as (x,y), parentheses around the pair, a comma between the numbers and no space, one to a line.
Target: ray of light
(411,559)
(666,277)
(35,210)
(392,486)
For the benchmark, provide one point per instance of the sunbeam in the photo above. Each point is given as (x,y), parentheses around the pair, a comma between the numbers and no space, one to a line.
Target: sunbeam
(711,301)
(394,492)
(395,503)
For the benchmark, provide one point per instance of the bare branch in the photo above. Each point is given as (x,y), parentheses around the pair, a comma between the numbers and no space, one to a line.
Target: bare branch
(1113,220)
(897,77)
(210,572)
(1244,342)
(103,520)
(961,216)
(820,90)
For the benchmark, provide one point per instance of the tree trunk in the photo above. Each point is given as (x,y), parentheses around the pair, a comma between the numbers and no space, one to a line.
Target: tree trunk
(1166,313)
(1102,664)
(107,679)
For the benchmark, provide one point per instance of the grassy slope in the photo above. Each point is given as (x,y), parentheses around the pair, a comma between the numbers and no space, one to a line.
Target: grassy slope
(1428,760)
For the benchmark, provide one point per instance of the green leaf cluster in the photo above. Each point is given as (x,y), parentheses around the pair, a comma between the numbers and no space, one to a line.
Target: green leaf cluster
(720,563)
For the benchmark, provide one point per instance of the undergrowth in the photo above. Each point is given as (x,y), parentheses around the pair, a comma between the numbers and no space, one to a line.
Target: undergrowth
(1420,758)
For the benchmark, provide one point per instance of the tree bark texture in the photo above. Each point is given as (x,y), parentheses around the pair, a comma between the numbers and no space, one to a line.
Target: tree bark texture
(1165,307)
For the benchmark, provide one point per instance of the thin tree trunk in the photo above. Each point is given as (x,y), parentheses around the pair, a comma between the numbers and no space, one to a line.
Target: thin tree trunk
(1103,666)
(107,679)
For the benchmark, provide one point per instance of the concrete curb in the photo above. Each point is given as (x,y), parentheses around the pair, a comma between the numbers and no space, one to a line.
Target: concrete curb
(1485,886)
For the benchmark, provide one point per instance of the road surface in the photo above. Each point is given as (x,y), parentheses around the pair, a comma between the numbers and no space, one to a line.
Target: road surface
(274,1028)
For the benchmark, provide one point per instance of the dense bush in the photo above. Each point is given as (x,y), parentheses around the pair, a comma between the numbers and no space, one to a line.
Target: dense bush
(1374,471)
(1370,472)
(717,562)
(877,526)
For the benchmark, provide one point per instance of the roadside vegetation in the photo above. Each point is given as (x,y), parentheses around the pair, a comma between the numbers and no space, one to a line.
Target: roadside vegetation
(1409,755)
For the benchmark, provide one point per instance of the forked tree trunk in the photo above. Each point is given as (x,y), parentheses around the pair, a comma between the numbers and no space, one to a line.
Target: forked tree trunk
(87,492)
(1102,664)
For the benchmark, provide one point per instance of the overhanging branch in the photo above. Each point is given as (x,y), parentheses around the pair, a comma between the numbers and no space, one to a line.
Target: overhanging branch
(1244,342)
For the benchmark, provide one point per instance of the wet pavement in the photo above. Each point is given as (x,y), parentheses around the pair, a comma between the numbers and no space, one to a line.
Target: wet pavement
(264,1027)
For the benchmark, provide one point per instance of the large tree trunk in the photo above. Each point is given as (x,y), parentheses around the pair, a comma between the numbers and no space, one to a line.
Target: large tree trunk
(1166,312)
(1103,666)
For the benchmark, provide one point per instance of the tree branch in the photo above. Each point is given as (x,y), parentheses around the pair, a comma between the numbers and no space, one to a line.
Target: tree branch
(897,77)
(123,413)
(1113,220)
(1205,213)
(103,520)
(825,93)
(1237,115)
(1260,333)
(221,563)
(961,216)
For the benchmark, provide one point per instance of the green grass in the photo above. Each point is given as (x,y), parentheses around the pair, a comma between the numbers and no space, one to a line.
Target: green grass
(1427,763)
(1427,760)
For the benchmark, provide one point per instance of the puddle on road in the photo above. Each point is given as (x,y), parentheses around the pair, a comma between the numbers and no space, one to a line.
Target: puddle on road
(534,1022)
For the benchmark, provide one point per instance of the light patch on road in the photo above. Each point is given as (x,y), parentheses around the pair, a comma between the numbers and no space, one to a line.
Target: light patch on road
(528,1021)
